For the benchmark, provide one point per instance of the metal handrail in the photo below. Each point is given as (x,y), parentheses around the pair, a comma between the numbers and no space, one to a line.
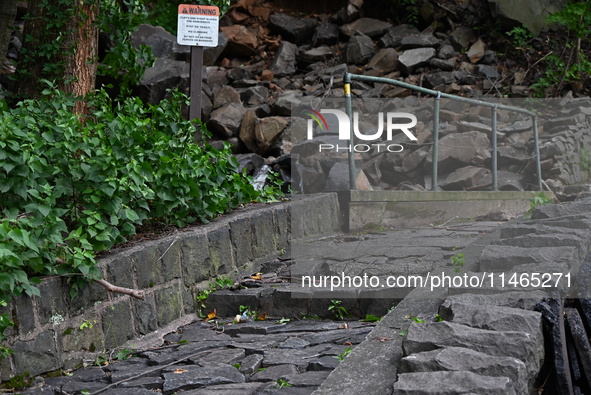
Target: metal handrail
(438,95)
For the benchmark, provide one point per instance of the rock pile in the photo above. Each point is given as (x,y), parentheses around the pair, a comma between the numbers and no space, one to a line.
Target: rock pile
(269,61)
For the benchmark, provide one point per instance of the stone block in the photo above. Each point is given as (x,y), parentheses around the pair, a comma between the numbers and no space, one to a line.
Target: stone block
(87,338)
(195,376)
(272,373)
(117,324)
(560,210)
(306,379)
(264,231)
(282,222)
(120,271)
(243,240)
(196,264)
(520,345)
(169,258)
(169,305)
(463,359)
(147,266)
(451,383)
(251,364)
(52,301)
(534,241)
(92,294)
(503,257)
(145,314)
(286,301)
(25,314)
(37,356)
(227,303)
(220,250)
(494,318)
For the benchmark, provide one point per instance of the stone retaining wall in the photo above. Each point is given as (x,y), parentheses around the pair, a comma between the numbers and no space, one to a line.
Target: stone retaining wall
(56,332)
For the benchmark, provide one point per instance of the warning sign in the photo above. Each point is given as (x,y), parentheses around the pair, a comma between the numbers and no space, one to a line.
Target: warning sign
(198,25)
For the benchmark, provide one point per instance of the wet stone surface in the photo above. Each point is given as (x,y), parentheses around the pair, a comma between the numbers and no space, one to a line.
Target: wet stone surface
(259,357)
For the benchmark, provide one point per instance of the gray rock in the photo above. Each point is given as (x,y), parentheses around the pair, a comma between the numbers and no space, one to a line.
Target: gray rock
(451,383)
(294,342)
(272,373)
(162,43)
(419,41)
(531,13)
(386,60)
(413,58)
(519,300)
(284,62)
(488,71)
(468,148)
(535,241)
(38,355)
(296,30)
(323,363)
(446,51)
(489,57)
(211,54)
(307,379)
(394,35)
(319,54)
(164,74)
(560,210)
(228,389)
(506,181)
(461,37)
(251,364)
(225,96)
(498,257)
(359,49)
(225,121)
(186,377)
(462,178)
(229,356)
(580,340)
(326,34)
(520,345)
(463,359)
(287,101)
(441,64)
(441,78)
(366,26)
(494,318)
(254,96)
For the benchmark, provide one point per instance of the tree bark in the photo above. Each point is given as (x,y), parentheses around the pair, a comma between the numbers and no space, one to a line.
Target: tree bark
(7,15)
(73,65)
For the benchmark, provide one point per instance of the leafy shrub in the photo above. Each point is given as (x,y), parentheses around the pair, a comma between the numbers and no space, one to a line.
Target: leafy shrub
(70,187)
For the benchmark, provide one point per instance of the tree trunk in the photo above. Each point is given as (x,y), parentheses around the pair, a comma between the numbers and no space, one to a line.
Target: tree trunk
(64,51)
(7,15)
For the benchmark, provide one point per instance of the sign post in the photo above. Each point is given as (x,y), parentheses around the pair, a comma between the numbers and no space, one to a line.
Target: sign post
(198,27)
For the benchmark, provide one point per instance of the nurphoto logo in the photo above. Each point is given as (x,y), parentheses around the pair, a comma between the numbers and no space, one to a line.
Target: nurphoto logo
(388,122)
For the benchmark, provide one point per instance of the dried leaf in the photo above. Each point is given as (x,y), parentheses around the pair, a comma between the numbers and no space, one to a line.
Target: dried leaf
(211,315)
(262,317)
(179,371)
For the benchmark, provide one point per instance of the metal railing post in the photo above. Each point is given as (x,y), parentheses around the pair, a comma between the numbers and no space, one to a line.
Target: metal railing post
(494,149)
(537,149)
(435,141)
(349,110)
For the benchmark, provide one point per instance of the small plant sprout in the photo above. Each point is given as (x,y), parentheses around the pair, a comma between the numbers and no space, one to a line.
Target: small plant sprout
(457,262)
(337,310)
(343,355)
(282,383)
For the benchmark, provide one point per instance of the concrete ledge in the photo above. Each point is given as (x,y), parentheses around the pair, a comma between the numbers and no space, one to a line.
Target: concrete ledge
(394,209)
(56,332)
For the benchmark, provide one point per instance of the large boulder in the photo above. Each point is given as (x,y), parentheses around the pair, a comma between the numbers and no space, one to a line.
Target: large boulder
(296,30)
(531,13)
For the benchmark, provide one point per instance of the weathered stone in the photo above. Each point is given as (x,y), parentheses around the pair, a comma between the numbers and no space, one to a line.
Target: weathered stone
(229,356)
(531,13)
(226,95)
(462,178)
(162,43)
(476,51)
(451,383)
(489,72)
(446,51)
(359,49)
(463,359)
(438,79)
(286,101)
(469,148)
(419,41)
(462,36)
(211,54)
(494,318)
(251,364)
(506,181)
(294,342)
(413,58)
(326,34)
(535,241)
(186,377)
(284,62)
(116,322)
(307,379)
(145,315)
(271,373)
(489,58)
(560,210)
(318,54)
(386,60)
(442,64)
(226,120)
(367,27)
(323,363)
(170,305)
(37,356)
(580,340)
(296,30)
(499,257)
(520,300)
(241,41)
(520,345)
(230,389)
(394,35)
(267,131)
(164,74)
